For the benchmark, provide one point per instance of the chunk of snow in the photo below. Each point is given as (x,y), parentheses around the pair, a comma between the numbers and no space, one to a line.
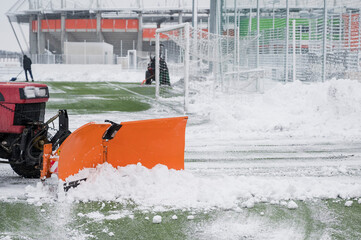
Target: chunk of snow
(95,215)
(238,209)
(157,219)
(174,217)
(263,200)
(249,203)
(190,217)
(348,203)
(292,205)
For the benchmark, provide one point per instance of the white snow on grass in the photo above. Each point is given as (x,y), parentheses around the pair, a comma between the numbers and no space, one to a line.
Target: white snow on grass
(99,216)
(224,228)
(111,215)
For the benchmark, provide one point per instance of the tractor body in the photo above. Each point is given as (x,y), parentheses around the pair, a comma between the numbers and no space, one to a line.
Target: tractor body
(23,131)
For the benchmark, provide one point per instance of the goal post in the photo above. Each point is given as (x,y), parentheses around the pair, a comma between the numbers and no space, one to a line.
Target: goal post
(192,61)
(182,33)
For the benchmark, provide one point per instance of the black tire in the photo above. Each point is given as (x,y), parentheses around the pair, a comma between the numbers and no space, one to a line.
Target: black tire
(25,171)
(4,154)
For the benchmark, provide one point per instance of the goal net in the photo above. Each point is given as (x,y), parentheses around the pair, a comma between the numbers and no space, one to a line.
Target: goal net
(186,57)
(172,65)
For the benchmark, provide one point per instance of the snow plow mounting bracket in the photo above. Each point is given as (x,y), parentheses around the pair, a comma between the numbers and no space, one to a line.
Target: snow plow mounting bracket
(112,130)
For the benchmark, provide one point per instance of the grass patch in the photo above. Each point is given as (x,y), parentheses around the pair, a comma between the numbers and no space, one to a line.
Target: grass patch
(323,219)
(134,224)
(347,220)
(99,97)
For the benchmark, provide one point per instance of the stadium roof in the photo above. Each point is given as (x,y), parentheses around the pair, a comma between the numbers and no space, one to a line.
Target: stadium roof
(22,9)
(34,6)
(294,3)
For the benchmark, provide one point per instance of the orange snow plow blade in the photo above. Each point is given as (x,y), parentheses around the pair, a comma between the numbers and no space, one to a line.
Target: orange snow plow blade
(149,142)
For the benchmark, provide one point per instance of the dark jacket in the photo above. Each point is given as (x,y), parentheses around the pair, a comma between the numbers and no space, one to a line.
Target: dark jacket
(26,63)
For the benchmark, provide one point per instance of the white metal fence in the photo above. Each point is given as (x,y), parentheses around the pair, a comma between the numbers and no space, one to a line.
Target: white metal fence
(304,40)
(267,39)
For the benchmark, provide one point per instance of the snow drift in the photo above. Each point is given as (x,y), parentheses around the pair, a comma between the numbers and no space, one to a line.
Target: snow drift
(160,187)
(315,110)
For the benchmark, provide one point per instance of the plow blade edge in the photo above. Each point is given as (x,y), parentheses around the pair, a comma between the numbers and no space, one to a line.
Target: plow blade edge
(149,142)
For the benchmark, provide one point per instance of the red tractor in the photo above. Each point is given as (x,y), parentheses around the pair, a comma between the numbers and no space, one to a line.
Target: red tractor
(23,132)
(26,142)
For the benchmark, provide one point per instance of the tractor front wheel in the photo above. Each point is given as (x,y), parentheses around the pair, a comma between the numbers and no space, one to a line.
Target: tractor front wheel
(26,171)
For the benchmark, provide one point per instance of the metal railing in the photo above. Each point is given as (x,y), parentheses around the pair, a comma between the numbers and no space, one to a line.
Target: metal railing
(315,45)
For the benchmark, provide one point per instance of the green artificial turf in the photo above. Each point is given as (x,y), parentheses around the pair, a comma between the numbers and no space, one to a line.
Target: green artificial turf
(98,97)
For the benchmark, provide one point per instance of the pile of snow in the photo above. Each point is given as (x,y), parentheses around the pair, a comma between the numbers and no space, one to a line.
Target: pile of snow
(316,110)
(160,187)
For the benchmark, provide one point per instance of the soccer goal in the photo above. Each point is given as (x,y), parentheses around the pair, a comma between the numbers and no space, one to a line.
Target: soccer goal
(187,57)
(184,57)
(172,61)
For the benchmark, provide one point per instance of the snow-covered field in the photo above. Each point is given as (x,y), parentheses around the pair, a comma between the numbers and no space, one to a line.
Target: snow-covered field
(292,147)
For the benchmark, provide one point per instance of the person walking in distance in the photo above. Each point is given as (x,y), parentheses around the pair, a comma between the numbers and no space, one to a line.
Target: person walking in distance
(27,67)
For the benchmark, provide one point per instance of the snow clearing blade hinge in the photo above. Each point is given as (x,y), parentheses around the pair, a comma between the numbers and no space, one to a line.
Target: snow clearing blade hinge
(63,131)
(112,130)
(109,135)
